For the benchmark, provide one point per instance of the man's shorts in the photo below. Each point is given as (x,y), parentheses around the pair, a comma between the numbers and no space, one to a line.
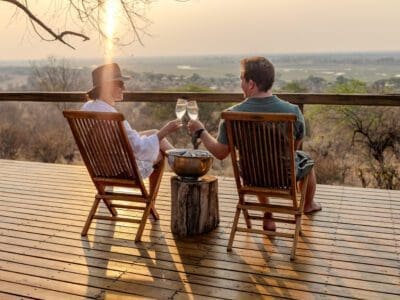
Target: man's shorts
(303,163)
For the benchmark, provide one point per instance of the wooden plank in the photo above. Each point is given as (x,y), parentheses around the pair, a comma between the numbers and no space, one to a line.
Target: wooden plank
(89,286)
(25,290)
(73,206)
(67,220)
(101,234)
(310,270)
(233,294)
(82,215)
(126,231)
(66,173)
(344,253)
(165,192)
(221,258)
(185,296)
(194,287)
(163,204)
(47,287)
(73,178)
(9,296)
(226,202)
(363,200)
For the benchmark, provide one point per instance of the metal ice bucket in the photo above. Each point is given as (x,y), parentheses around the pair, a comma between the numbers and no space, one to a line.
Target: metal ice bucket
(189,164)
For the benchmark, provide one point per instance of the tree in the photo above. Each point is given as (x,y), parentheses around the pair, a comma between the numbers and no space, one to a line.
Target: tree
(88,16)
(294,87)
(58,75)
(375,136)
(348,86)
(315,84)
(329,143)
(50,138)
(385,86)
(12,136)
(378,131)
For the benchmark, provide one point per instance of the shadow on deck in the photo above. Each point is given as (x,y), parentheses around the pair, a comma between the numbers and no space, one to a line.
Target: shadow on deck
(350,249)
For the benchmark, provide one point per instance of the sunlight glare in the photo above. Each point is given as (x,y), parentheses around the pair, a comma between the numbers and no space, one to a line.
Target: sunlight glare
(111,10)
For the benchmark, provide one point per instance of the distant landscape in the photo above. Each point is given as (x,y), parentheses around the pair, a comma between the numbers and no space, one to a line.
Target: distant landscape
(368,158)
(368,67)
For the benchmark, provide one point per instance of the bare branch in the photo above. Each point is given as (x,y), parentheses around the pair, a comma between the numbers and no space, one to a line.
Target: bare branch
(133,26)
(33,18)
(90,15)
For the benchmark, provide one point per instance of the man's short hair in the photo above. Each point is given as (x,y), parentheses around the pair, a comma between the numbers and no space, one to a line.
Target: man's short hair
(260,70)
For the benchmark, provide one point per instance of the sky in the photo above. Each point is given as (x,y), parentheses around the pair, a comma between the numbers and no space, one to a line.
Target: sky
(217,27)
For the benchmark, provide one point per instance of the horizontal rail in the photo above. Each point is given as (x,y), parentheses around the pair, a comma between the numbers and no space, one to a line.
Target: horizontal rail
(157,97)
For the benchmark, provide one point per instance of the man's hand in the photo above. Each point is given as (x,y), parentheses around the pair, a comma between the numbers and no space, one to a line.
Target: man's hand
(217,149)
(194,125)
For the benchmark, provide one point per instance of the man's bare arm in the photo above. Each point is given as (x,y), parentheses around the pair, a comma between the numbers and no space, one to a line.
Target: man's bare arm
(217,149)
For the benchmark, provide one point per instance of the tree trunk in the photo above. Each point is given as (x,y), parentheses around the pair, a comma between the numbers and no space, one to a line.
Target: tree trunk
(194,205)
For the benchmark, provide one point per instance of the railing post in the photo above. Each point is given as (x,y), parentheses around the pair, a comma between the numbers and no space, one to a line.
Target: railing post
(301,106)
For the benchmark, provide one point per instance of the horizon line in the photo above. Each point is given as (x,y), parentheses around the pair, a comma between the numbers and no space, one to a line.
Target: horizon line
(210,55)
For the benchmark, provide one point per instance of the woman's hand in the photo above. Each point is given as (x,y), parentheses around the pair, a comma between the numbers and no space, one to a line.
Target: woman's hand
(168,128)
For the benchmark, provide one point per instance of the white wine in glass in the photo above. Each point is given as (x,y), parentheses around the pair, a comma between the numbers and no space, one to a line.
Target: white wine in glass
(180,108)
(193,110)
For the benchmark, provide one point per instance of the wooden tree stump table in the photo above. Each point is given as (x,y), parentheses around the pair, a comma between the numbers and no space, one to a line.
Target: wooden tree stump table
(194,205)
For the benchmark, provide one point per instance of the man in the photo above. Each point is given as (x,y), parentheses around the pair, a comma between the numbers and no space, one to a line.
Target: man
(148,146)
(257,77)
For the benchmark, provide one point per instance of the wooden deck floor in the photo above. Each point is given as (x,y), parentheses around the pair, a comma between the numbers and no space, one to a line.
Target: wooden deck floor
(350,249)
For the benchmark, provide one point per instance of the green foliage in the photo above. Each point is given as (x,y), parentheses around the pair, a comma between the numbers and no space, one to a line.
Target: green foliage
(294,87)
(192,88)
(386,86)
(364,141)
(350,144)
(348,86)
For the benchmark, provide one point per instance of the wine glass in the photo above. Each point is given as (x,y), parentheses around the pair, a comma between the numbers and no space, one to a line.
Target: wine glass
(180,108)
(193,110)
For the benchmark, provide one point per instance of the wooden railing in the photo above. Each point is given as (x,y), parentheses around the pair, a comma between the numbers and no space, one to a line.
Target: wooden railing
(159,97)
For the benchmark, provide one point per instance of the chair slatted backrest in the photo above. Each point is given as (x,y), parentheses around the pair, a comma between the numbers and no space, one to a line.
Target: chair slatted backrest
(264,150)
(105,148)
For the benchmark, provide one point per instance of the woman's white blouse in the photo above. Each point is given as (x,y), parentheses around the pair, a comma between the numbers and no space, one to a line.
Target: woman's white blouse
(146,148)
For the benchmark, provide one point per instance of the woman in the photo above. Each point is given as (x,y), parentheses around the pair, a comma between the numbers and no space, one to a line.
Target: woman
(148,146)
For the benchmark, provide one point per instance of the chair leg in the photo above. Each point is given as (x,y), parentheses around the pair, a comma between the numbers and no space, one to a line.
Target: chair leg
(143,222)
(111,209)
(101,191)
(155,181)
(155,177)
(245,213)
(234,228)
(90,217)
(154,212)
(296,237)
(246,218)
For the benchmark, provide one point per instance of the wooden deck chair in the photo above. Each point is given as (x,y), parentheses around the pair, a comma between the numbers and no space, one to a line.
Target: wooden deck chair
(110,161)
(262,152)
